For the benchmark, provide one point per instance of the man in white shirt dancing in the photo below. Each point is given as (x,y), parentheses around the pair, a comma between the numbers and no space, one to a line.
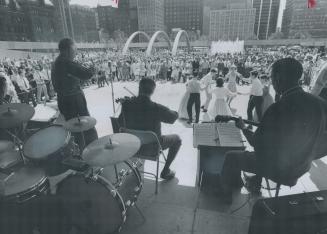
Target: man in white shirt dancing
(256,97)
(194,88)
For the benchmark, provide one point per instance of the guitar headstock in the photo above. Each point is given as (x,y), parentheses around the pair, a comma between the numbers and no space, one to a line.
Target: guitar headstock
(224,118)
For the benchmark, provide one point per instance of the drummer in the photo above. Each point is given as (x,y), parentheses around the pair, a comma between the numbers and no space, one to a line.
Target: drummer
(66,76)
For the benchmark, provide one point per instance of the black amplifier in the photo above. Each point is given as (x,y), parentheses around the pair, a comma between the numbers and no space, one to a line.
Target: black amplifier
(304,213)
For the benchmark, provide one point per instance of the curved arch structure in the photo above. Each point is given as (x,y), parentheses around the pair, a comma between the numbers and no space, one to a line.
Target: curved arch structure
(153,39)
(131,37)
(176,41)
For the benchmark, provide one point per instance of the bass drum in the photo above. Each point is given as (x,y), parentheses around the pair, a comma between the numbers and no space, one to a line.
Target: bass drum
(94,204)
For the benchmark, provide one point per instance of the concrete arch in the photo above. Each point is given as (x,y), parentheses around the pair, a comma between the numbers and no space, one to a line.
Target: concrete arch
(130,39)
(176,41)
(153,39)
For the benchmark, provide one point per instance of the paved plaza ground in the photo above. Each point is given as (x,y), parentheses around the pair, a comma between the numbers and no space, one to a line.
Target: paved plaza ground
(180,206)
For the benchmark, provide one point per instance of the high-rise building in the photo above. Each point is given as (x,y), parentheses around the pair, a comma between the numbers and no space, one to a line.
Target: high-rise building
(232,24)
(123,18)
(150,15)
(238,4)
(41,21)
(300,21)
(84,24)
(184,14)
(266,17)
(13,24)
(63,16)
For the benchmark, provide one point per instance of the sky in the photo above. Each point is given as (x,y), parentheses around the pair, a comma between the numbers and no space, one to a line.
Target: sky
(93,3)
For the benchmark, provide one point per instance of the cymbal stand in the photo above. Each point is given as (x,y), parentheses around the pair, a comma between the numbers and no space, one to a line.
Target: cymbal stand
(82,134)
(17,142)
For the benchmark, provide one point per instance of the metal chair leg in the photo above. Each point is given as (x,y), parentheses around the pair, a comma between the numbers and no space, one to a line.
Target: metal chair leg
(277,190)
(141,213)
(164,156)
(157,176)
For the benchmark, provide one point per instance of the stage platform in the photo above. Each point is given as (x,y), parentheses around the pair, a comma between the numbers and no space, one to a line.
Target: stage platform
(180,206)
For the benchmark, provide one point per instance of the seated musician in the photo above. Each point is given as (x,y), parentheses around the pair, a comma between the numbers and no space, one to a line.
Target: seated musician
(141,113)
(285,141)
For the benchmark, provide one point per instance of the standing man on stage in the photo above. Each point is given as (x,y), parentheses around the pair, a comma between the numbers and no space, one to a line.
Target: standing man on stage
(256,97)
(320,87)
(66,76)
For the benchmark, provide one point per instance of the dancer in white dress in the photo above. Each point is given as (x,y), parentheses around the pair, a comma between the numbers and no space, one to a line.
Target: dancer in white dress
(206,82)
(218,104)
(231,76)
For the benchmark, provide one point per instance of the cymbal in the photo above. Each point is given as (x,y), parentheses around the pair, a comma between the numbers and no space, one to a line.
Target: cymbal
(80,124)
(13,115)
(112,149)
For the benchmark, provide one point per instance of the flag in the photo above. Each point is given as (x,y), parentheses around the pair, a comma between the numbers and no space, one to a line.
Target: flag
(312,3)
(112,3)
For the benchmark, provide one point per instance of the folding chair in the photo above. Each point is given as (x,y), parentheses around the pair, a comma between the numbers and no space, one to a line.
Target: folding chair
(150,149)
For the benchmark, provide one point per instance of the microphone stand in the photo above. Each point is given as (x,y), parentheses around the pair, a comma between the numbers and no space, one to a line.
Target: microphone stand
(113,96)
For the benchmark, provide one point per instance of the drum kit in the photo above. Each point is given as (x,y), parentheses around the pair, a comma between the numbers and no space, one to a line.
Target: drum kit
(94,201)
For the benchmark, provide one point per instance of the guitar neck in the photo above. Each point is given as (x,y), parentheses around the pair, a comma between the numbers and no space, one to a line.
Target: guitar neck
(246,121)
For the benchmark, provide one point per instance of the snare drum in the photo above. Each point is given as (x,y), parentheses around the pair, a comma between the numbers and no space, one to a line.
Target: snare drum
(95,204)
(48,147)
(24,184)
(19,199)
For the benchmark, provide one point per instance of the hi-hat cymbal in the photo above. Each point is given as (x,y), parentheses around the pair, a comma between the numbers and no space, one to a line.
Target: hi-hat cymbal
(13,115)
(112,149)
(80,124)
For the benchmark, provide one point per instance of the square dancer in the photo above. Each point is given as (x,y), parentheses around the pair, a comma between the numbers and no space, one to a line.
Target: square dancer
(256,97)
(194,88)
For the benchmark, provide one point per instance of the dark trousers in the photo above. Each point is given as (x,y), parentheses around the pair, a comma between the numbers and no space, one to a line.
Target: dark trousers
(235,162)
(73,106)
(255,102)
(323,93)
(194,99)
(173,143)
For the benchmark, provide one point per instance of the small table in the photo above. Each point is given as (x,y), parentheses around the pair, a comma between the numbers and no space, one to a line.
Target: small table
(212,160)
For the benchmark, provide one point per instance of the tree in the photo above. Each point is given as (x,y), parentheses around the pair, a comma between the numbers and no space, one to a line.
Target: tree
(277,36)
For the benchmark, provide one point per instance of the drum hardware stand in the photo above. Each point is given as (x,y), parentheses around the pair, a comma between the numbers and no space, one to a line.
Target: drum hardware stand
(82,134)
(17,142)
(111,145)
(140,212)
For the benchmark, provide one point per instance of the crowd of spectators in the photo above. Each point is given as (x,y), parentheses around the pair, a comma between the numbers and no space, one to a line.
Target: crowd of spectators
(29,80)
